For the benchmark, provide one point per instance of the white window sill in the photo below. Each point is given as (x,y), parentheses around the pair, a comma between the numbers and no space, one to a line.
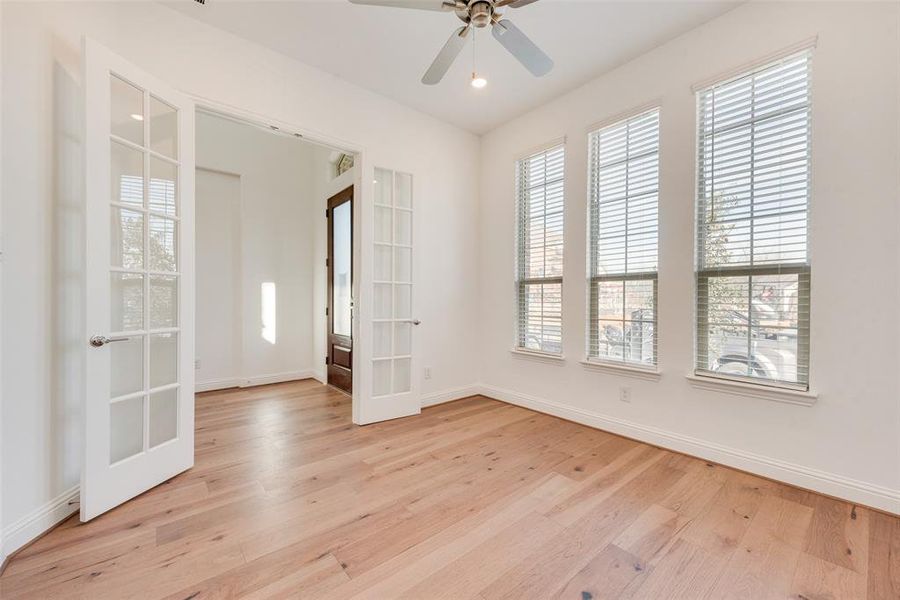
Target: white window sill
(751,390)
(623,369)
(544,357)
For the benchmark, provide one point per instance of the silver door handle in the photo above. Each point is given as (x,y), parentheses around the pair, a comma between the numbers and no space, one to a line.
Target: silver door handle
(415,321)
(102,340)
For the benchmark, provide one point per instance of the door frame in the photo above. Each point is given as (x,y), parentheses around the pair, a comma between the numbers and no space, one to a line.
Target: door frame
(363,213)
(345,195)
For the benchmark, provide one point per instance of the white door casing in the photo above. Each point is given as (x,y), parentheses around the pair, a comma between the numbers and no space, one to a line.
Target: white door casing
(139,193)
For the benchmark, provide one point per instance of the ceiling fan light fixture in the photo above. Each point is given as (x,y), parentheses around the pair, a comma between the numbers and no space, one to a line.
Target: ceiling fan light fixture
(476,14)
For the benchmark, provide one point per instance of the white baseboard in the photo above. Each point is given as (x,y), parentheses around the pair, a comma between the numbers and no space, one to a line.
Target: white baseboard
(277,378)
(852,490)
(221,384)
(449,395)
(39,521)
(216,384)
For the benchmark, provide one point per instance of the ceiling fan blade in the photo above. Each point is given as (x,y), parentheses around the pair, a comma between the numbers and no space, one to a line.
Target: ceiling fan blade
(446,56)
(443,5)
(513,3)
(519,45)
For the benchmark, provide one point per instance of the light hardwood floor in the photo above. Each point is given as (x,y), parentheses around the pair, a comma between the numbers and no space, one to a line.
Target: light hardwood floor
(472,499)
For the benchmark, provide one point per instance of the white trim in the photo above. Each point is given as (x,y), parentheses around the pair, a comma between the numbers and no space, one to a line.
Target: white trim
(646,107)
(216,384)
(450,395)
(852,490)
(751,390)
(268,123)
(623,369)
(243,382)
(559,141)
(277,378)
(39,521)
(545,357)
(752,65)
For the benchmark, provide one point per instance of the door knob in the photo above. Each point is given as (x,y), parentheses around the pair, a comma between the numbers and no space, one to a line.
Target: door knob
(416,321)
(102,340)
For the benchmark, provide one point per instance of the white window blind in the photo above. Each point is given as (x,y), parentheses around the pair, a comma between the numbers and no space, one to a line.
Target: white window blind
(753,270)
(539,199)
(623,250)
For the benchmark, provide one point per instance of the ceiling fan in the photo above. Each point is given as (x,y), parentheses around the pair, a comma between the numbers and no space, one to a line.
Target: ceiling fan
(476,13)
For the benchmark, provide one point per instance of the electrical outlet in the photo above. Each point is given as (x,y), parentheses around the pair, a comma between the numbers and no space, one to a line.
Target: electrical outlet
(427,372)
(196,363)
(625,394)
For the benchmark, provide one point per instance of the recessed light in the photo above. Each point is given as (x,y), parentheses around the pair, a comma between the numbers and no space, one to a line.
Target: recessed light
(137,117)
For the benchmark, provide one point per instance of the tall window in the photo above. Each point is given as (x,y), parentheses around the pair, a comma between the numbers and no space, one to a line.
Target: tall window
(624,190)
(753,268)
(539,199)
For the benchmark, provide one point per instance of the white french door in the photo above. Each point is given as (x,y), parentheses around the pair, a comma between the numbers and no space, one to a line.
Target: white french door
(394,388)
(139,161)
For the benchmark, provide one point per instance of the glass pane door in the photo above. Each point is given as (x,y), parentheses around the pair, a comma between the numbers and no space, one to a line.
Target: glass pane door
(144,271)
(342,300)
(138,426)
(392,310)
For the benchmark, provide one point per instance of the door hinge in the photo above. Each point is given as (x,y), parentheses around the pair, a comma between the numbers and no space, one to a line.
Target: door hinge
(326,213)
(326,360)
(326,311)
(326,262)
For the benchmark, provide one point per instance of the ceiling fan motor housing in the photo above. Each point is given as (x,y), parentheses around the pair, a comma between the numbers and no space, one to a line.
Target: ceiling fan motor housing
(477,13)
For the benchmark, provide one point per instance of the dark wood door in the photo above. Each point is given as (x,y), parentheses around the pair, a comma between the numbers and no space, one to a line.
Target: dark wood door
(340,290)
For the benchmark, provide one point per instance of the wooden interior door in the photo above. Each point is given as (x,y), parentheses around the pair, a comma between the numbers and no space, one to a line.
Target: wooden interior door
(340,290)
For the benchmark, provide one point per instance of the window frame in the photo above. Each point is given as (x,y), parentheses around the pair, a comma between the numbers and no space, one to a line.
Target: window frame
(703,274)
(623,276)
(523,282)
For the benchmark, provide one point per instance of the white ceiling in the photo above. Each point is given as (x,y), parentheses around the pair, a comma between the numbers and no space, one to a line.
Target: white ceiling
(387,50)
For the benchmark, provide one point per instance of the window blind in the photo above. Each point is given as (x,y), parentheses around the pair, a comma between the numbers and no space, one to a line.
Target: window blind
(753,270)
(539,200)
(623,249)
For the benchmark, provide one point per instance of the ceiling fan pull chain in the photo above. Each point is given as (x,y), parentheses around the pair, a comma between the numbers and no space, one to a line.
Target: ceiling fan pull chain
(474,36)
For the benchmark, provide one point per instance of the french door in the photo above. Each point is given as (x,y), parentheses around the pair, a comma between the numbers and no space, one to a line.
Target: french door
(139,161)
(394,387)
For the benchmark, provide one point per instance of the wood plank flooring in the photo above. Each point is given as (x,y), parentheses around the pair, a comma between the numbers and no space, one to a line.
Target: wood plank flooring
(472,499)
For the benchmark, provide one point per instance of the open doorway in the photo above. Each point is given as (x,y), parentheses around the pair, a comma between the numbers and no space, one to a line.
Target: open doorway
(141,153)
(266,295)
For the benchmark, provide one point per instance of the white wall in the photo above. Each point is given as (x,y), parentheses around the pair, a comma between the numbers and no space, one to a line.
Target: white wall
(43,342)
(2,546)
(847,443)
(277,212)
(218,324)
